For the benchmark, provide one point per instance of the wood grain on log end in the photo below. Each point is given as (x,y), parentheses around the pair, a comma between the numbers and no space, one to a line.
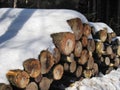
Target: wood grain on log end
(32,67)
(18,78)
(86,29)
(78,49)
(64,41)
(31,86)
(46,61)
(77,27)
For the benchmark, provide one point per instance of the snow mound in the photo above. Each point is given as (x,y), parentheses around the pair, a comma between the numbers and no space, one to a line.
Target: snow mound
(110,81)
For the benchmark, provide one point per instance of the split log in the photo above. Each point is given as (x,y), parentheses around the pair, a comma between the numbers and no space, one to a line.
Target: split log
(56,55)
(77,27)
(84,57)
(58,72)
(78,72)
(5,87)
(78,49)
(84,41)
(86,29)
(32,67)
(64,41)
(31,86)
(45,83)
(18,78)
(46,61)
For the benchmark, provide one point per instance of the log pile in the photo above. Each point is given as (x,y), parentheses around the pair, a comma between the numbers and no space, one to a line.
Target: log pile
(75,57)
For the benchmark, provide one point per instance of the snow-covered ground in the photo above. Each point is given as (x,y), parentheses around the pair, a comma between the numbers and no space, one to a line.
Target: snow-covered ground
(25,32)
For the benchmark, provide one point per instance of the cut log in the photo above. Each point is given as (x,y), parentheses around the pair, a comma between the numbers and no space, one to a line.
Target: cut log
(87,73)
(5,87)
(64,41)
(86,29)
(32,86)
(99,48)
(79,71)
(46,61)
(91,45)
(38,78)
(84,41)
(84,57)
(56,55)
(58,72)
(78,49)
(107,61)
(18,78)
(102,35)
(116,62)
(109,50)
(32,67)
(110,36)
(90,63)
(77,27)
(45,83)
(66,66)
(118,50)
(73,66)
(95,69)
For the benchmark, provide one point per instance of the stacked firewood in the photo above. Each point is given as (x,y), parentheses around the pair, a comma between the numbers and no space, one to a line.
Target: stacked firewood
(76,56)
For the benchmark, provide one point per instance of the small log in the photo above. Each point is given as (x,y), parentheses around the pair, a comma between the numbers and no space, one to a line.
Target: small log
(78,72)
(78,49)
(107,61)
(66,66)
(46,61)
(86,29)
(116,62)
(32,67)
(18,78)
(58,72)
(45,83)
(91,45)
(77,27)
(38,78)
(102,35)
(84,57)
(64,41)
(109,50)
(95,69)
(56,55)
(31,86)
(84,41)
(90,63)
(118,50)
(73,66)
(4,86)
(110,36)
(99,48)
(87,73)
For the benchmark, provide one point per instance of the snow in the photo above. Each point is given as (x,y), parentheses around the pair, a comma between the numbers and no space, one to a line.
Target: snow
(25,32)
(110,81)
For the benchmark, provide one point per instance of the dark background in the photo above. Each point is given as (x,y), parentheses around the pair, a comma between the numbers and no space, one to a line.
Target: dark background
(107,11)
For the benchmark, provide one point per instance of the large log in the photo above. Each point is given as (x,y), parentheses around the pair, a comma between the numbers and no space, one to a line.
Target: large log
(77,27)
(18,78)
(46,61)
(64,41)
(32,67)
(45,83)
(4,86)
(31,86)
